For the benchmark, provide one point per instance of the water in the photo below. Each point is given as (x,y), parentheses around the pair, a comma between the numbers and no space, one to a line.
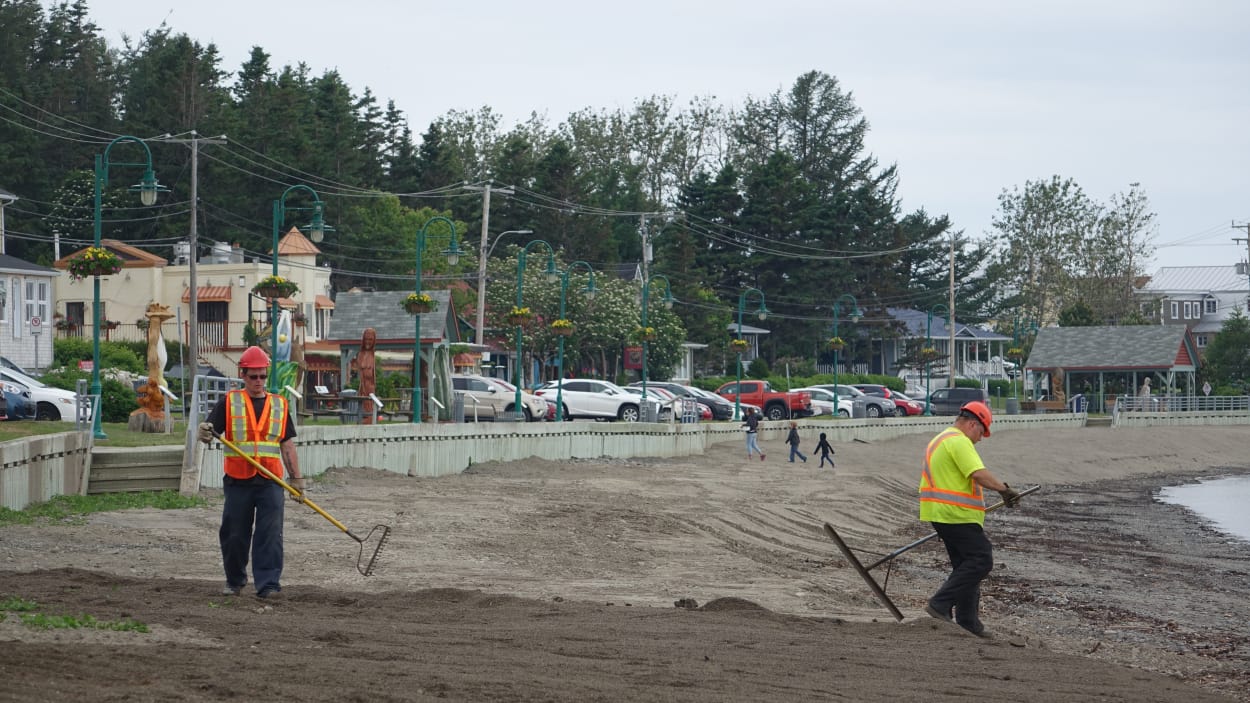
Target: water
(1222,501)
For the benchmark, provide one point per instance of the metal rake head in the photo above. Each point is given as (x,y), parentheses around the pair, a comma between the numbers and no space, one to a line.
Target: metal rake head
(367,569)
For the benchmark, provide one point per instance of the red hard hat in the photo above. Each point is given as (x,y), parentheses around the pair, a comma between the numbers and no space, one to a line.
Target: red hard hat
(254,358)
(981,412)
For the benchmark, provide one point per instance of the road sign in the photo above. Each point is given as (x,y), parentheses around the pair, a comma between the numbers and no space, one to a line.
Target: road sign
(36,322)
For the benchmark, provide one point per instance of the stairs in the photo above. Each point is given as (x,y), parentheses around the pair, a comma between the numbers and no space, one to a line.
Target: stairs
(1098,421)
(132,469)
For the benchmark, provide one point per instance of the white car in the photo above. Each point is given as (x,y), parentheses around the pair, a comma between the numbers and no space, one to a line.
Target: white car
(666,399)
(485,398)
(594,399)
(49,403)
(822,399)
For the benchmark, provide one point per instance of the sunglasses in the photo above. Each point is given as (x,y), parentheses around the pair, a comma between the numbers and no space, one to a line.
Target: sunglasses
(258,376)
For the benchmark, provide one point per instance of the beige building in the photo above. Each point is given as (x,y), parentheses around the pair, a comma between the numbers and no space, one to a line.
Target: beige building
(225,303)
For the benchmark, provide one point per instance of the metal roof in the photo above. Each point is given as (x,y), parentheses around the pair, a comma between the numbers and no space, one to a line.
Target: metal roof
(1157,347)
(1197,279)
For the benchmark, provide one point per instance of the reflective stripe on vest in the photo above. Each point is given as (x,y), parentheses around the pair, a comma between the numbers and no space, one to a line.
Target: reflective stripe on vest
(258,436)
(931,492)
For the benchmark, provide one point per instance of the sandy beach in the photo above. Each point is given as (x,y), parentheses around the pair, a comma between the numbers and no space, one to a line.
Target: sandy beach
(703,578)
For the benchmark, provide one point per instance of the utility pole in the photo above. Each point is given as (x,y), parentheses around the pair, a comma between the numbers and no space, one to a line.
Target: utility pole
(951,304)
(481,256)
(193,336)
(1245,239)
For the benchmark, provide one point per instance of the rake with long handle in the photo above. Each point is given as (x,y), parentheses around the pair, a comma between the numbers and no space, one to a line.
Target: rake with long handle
(878,589)
(366,569)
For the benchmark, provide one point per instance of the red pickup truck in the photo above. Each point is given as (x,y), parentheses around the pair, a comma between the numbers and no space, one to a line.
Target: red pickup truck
(776,404)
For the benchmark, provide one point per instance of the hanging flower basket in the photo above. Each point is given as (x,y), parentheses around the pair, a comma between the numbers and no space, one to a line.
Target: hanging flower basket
(929,355)
(836,343)
(645,334)
(1015,352)
(93,261)
(519,316)
(562,328)
(64,324)
(417,303)
(739,345)
(110,324)
(275,287)
(143,324)
(299,319)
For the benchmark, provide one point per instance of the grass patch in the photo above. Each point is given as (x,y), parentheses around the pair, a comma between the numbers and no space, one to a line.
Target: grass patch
(14,604)
(40,621)
(74,507)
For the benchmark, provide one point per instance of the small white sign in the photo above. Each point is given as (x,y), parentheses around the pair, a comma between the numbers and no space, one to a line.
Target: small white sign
(36,322)
(1206,388)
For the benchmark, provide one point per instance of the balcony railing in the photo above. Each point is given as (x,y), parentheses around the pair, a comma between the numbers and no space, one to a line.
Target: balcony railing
(214,336)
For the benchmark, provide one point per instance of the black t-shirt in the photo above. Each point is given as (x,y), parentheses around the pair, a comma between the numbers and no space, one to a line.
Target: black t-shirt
(218,417)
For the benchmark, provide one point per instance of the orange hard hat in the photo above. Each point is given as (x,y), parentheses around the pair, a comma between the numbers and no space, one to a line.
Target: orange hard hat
(254,358)
(981,412)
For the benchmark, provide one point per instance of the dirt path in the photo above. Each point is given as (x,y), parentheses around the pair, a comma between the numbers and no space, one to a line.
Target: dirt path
(557,581)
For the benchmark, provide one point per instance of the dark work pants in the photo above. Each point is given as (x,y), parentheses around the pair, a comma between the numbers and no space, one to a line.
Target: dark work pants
(251,522)
(972,559)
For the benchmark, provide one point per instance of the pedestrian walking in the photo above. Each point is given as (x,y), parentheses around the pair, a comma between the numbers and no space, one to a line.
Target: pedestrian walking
(826,451)
(752,424)
(792,439)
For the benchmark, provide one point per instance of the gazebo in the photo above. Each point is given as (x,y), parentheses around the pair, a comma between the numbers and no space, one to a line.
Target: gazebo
(1104,362)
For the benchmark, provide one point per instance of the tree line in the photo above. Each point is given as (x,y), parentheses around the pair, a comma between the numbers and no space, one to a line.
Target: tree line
(779,194)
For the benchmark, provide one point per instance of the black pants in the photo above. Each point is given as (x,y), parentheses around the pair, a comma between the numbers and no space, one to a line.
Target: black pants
(972,558)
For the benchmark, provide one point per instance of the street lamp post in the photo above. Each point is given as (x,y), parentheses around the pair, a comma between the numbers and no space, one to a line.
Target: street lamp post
(589,291)
(928,364)
(481,281)
(147,188)
(668,305)
(856,313)
(763,313)
(452,252)
(316,232)
(552,277)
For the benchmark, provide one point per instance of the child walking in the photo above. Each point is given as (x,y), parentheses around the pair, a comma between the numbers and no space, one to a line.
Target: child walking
(826,451)
(792,439)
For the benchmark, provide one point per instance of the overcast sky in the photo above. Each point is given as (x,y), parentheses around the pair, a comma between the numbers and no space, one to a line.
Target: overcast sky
(966,97)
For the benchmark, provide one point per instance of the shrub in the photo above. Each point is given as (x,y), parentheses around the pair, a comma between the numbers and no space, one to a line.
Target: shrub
(758,368)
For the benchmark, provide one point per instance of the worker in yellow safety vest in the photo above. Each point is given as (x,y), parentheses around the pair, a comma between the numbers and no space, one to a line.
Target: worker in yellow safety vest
(951,500)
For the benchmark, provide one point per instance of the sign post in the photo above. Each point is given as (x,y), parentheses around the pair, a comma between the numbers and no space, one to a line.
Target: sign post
(36,329)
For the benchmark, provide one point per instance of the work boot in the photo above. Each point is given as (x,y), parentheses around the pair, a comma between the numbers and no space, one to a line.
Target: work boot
(271,594)
(938,613)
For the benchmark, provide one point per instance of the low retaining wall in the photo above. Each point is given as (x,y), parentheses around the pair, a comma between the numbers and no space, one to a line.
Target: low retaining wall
(37,468)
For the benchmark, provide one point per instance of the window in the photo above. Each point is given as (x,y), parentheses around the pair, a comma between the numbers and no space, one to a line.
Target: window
(1209,305)
(1189,311)
(4,313)
(36,299)
(1176,310)
(1200,340)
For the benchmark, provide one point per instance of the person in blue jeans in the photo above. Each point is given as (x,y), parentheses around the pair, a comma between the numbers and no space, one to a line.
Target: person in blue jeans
(792,439)
(752,423)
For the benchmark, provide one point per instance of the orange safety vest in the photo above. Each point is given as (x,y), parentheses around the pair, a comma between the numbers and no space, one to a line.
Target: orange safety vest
(260,435)
(949,487)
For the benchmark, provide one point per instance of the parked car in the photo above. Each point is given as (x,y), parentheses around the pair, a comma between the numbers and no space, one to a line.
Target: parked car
(875,406)
(718,407)
(825,396)
(49,403)
(14,402)
(594,399)
(902,404)
(948,401)
(908,403)
(486,398)
(666,399)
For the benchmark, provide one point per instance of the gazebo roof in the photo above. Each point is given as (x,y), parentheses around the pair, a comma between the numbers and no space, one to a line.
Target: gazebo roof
(1127,348)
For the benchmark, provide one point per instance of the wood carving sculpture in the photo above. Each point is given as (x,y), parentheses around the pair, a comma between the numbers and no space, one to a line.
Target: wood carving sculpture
(150,416)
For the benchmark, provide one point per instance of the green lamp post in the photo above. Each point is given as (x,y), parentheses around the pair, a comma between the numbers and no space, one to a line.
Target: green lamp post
(668,305)
(589,292)
(148,188)
(452,252)
(856,313)
(928,364)
(519,319)
(763,313)
(316,232)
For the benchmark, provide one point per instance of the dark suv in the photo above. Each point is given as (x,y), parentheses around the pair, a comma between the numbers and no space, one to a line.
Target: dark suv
(948,401)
